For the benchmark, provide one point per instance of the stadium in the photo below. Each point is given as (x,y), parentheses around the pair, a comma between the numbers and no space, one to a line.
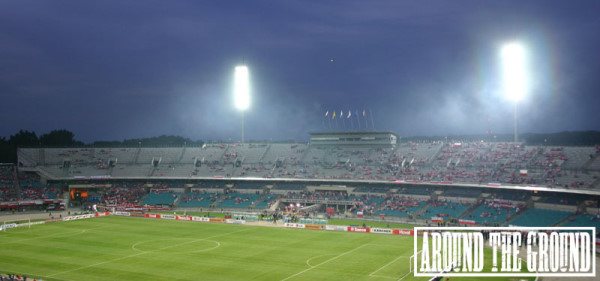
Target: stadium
(337,183)
(299,140)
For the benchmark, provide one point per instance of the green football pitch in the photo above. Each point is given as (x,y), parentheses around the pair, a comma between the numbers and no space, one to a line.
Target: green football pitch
(123,248)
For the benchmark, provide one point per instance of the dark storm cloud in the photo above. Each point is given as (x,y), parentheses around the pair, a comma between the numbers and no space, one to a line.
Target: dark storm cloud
(113,69)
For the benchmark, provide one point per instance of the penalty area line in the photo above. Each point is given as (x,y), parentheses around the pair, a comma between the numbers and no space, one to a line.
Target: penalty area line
(386,265)
(331,259)
(404,276)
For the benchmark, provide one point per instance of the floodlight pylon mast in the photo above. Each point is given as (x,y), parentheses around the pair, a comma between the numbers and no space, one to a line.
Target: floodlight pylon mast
(243,129)
(243,123)
(516,122)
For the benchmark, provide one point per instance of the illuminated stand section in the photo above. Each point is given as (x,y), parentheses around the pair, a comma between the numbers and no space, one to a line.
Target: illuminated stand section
(242,92)
(515,76)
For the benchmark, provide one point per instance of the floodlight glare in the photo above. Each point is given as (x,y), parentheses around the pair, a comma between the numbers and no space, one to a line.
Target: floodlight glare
(515,76)
(241,91)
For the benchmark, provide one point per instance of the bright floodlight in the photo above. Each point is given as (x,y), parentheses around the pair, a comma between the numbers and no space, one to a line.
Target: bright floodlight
(515,76)
(242,95)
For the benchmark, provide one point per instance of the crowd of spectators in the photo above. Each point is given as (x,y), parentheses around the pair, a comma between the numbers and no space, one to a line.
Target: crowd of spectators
(400,204)
(476,162)
(122,196)
(200,195)
(237,197)
(317,195)
(8,190)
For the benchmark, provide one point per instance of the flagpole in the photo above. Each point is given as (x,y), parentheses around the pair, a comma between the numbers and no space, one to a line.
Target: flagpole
(351,123)
(357,120)
(336,121)
(372,121)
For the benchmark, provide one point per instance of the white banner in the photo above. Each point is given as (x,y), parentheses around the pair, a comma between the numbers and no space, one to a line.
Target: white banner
(31,223)
(235,221)
(381,230)
(8,225)
(336,228)
(78,217)
(294,225)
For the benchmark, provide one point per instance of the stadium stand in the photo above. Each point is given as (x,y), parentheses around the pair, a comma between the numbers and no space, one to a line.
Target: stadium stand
(266,202)
(287,154)
(456,162)
(540,217)
(446,208)
(490,212)
(400,206)
(234,199)
(119,196)
(8,190)
(584,220)
(577,157)
(199,198)
(462,180)
(160,196)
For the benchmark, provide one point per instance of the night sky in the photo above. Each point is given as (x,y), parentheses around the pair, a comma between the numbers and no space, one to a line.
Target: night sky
(112,70)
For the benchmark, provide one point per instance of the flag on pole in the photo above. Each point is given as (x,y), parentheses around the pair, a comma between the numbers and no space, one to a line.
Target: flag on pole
(333,116)
(341,114)
(349,113)
(327,113)
(364,113)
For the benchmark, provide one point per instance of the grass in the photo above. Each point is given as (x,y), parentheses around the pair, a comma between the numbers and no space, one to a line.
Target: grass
(123,248)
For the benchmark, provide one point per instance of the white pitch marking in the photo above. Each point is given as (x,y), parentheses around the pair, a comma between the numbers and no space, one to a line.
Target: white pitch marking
(217,243)
(62,234)
(342,254)
(386,265)
(138,254)
(404,276)
(381,276)
(308,260)
(209,249)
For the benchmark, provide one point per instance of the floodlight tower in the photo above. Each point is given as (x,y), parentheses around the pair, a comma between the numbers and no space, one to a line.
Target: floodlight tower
(515,76)
(242,92)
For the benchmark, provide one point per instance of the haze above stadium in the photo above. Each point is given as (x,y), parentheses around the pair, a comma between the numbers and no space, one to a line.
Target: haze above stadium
(112,70)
